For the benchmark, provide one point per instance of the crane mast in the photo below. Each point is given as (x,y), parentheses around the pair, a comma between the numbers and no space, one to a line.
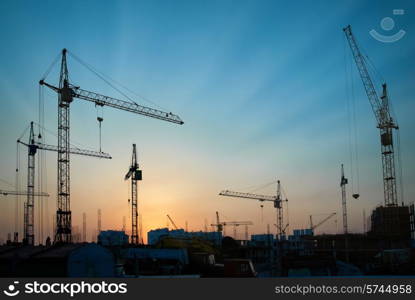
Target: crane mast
(278,206)
(28,227)
(218,223)
(33,146)
(343,182)
(66,93)
(135,174)
(385,122)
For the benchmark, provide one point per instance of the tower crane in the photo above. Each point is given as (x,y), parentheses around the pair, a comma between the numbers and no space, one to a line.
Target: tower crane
(172,222)
(234,224)
(343,182)
(385,123)
(22,193)
(67,92)
(221,225)
(135,174)
(33,146)
(314,226)
(277,200)
(218,225)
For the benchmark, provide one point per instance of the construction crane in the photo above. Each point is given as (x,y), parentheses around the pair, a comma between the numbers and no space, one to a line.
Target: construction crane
(314,226)
(67,92)
(220,226)
(385,123)
(277,200)
(33,146)
(235,224)
(172,222)
(23,193)
(285,227)
(343,182)
(135,174)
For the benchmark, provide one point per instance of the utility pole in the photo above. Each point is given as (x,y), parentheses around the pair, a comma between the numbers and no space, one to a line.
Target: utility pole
(140,220)
(99,221)
(84,228)
(364,222)
(124,228)
(66,94)
(246,233)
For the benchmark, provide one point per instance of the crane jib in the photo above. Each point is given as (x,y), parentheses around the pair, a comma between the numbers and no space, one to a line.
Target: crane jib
(125,105)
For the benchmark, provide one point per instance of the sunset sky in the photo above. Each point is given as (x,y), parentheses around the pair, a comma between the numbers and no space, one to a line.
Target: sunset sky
(260,85)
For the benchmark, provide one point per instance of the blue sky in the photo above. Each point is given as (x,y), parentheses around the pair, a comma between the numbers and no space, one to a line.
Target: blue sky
(259,84)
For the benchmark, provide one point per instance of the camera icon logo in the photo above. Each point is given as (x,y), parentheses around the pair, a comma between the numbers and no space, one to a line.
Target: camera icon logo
(11,290)
(388,24)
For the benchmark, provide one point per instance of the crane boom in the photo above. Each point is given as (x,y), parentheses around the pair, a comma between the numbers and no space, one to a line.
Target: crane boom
(385,122)
(364,74)
(172,222)
(102,100)
(312,227)
(248,196)
(237,223)
(22,193)
(73,150)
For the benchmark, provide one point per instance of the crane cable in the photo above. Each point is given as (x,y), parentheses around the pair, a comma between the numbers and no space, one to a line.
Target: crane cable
(74,144)
(6,182)
(351,121)
(107,80)
(17,185)
(398,138)
(100,119)
(49,69)
(42,176)
(398,152)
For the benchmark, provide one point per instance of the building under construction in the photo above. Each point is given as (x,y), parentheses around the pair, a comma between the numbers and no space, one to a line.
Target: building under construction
(391,222)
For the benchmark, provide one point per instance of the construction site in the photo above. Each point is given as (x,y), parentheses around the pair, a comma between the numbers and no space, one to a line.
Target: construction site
(51,244)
